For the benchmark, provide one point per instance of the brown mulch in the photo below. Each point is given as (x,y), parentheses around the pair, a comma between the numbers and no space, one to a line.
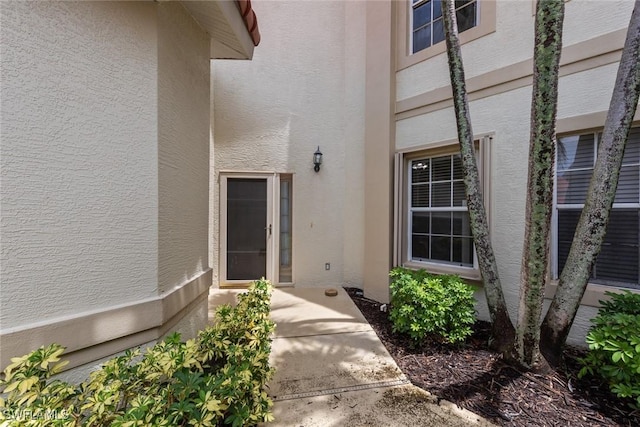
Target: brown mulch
(479,380)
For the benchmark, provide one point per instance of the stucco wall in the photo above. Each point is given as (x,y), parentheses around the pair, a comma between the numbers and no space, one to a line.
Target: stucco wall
(183,146)
(506,116)
(304,88)
(379,150)
(104,157)
(78,157)
(354,90)
(513,41)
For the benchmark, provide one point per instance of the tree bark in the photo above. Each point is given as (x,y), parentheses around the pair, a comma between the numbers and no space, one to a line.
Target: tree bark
(535,254)
(592,225)
(502,328)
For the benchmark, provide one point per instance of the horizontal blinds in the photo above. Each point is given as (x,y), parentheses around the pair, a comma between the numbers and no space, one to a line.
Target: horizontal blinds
(618,258)
(439,222)
(618,261)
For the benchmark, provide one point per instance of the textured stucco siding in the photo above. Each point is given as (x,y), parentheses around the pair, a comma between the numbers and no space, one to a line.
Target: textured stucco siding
(304,88)
(183,147)
(513,19)
(513,41)
(354,89)
(78,157)
(506,116)
(586,92)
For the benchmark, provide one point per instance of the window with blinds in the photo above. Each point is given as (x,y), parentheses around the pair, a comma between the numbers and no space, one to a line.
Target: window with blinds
(618,262)
(438,216)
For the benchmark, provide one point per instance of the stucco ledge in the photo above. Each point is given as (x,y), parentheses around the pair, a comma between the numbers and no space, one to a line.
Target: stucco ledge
(94,335)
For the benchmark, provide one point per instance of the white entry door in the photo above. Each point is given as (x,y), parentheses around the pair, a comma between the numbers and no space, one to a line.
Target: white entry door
(255,231)
(246,249)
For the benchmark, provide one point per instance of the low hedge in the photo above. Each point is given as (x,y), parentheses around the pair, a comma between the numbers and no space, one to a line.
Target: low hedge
(424,304)
(614,346)
(213,380)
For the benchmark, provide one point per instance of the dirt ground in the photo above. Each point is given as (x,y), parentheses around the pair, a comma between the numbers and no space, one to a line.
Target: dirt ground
(478,380)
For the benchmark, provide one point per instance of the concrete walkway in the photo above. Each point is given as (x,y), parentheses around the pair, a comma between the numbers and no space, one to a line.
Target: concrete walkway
(332,370)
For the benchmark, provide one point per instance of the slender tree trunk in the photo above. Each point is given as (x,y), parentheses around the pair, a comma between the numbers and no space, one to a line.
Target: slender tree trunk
(592,225)
(502,328)
(535,254)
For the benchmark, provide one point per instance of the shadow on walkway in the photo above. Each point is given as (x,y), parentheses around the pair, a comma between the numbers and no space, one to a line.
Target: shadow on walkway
(332,370)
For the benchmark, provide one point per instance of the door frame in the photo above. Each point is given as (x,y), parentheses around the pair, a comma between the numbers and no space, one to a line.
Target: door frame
(272,241)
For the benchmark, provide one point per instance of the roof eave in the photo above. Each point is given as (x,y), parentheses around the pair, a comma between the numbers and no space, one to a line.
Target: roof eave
(223,21)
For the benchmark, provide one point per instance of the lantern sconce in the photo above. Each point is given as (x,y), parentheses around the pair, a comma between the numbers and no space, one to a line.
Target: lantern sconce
(317,160)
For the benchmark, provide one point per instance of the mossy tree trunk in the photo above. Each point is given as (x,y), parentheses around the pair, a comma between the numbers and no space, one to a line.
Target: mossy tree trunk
(592,225)
(536,344)
(535,254)
(502,328)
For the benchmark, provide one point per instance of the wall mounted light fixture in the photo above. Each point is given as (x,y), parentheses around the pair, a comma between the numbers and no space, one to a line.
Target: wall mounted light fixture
(317,160)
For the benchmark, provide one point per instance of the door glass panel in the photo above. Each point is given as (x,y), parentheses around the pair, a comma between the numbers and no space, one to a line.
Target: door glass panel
(246,228)
(285,229)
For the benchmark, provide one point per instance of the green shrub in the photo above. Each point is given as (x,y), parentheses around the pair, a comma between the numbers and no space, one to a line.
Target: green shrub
(422,304)
(216,379)
(614,345)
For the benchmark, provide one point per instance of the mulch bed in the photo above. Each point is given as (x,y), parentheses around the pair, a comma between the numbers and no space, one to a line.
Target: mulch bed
(477,379)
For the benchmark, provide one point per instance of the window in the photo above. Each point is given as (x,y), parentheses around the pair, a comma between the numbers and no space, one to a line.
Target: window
(438,217)
(286,205)
(427,22)
(617,264)
(476,17)
(431,219)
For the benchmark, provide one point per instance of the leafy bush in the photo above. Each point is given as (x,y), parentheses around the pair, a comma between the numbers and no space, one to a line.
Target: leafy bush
(215,379)
(422,304)
(614,345)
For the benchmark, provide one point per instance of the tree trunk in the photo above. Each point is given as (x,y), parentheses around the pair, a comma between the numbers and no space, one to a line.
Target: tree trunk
(535,254)
(502,329)
(592,225)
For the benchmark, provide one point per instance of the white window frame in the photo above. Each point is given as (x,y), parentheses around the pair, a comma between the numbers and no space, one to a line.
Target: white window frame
(411,210)
(402,198)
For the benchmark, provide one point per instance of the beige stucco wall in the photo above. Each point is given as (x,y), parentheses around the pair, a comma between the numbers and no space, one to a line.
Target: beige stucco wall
(379,145)
(183,147)
(304,88)
(505,115)
(104,157)
(513,41)
(78,158)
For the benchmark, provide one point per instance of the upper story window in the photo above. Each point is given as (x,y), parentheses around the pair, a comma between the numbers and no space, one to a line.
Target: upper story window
(420,30)
(619,258)
(427,26)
